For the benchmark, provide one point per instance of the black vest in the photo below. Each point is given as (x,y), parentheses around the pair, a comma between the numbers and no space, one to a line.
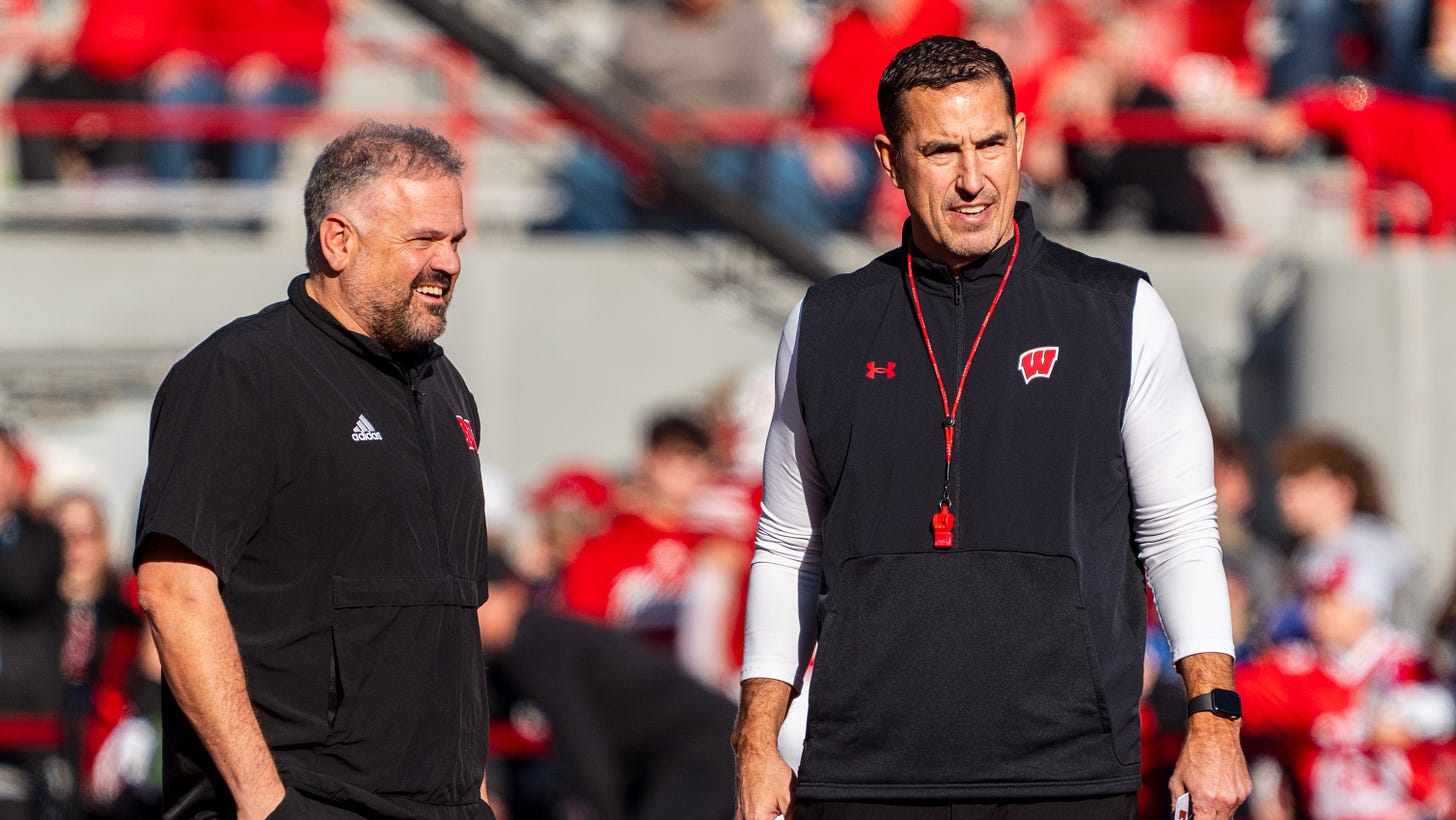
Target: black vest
(1009,665)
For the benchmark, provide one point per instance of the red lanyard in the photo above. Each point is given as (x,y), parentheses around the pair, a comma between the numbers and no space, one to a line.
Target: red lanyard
(943,522)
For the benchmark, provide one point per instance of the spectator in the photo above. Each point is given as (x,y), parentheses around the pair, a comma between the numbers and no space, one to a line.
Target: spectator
(633,575)
(1255,568)
(1330,500)
(125,780)
(30,640)
(256,55)
(710,642)
(1383,41)
(1125,183)
(100,630)
(1410,185)
(1354,714)
(640,740)
(572,504)
(823,182)
(104,62)
(681,57)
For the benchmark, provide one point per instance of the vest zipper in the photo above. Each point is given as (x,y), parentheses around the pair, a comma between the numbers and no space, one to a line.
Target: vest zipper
(429,463)
(956,281)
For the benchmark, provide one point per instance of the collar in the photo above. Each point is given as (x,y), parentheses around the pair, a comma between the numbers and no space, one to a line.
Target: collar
(991,265)
(398,365)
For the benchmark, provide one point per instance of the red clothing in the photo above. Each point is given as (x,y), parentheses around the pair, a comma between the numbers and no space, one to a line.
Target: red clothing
(1316,714)
(294,31)
(631,576)
(729,510)
(119,39)
(844,79)
(1388,134)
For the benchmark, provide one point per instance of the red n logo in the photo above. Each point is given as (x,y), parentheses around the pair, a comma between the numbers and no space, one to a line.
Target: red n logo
(469,433)
(1037,363)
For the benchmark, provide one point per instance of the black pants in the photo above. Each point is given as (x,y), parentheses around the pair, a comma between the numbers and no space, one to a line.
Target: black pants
(1116,807)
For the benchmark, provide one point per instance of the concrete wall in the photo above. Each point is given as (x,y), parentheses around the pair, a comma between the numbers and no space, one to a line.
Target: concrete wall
(569,345)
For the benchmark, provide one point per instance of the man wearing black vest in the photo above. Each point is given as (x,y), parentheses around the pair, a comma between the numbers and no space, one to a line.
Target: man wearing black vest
(983,442)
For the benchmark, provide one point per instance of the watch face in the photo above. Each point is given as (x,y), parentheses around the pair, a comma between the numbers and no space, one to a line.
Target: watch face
(1227,703)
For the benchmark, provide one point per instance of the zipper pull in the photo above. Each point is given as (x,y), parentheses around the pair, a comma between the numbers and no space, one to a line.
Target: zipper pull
(956,280)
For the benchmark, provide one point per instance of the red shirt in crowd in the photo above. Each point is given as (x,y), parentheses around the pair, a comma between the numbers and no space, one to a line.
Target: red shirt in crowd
(631,576)
(844,79)
(1317,714)
(294,31)
(1392,135)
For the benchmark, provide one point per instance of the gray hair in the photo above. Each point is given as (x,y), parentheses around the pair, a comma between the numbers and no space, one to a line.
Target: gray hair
(357,159)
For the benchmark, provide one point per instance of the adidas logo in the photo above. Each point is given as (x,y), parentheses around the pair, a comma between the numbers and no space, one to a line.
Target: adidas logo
(364,431)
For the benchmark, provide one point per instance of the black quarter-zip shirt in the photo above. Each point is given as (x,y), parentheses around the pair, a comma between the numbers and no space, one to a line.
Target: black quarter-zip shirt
(335,490)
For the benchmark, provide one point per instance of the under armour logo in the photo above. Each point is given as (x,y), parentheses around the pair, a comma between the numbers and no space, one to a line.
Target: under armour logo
(1037,363)
(871,370)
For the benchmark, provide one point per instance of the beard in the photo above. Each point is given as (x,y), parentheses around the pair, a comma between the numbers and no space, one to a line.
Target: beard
(400,324)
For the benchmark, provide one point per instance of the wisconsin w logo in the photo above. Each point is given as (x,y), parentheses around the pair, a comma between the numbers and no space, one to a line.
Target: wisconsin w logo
(1037,363)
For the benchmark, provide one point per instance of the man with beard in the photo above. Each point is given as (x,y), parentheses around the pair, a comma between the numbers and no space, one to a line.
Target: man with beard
(311,541)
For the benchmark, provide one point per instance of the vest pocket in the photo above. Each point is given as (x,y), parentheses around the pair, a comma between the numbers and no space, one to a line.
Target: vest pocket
(406,692)
(957,668)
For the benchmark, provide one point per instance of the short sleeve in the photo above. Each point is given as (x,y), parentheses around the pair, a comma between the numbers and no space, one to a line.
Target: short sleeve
(210,458)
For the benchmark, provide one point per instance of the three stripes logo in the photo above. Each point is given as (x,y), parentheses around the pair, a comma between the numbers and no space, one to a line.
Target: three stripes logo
(364,431)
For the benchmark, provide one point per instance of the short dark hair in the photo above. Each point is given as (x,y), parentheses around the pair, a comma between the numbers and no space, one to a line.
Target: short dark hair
(937,62)
(677,432)
(1299,451)
(366,153)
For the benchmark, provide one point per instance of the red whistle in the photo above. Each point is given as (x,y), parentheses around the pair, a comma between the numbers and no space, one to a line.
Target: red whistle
(941,524)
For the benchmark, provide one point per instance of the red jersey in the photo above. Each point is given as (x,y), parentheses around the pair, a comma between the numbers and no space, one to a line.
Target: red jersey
(1316,713)
(294,31)
(631,576)
(844,79)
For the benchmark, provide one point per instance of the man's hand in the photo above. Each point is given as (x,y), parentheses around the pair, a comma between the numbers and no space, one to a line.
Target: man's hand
(199,653)
(1211,768)
(764,779)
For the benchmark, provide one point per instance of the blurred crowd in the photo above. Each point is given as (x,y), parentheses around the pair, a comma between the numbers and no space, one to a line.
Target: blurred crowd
(613,637)
(176,58)
(773,101)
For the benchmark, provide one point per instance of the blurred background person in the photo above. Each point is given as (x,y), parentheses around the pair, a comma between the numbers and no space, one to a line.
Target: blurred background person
(685,60)
(573,503)
(725,512)
(633,575)
(822,181)
(256,56)
(1355,714)
(1332,504)
(1256,568)
(638,738)
(100,632)
(30,645)
(104,60)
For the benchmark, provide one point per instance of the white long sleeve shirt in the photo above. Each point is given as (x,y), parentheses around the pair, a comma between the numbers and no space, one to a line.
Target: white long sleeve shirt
(1169,455)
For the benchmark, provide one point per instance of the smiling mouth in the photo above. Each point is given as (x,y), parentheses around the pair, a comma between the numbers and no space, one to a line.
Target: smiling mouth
(972,210)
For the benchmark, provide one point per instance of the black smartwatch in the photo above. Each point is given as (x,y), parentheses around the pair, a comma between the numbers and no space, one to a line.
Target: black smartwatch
(1222,702)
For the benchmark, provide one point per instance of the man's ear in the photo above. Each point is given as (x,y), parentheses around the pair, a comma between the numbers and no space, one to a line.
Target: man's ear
(886,151)
(338,240)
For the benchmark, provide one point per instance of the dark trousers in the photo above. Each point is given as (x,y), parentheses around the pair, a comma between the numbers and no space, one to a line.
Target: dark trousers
(1115,807)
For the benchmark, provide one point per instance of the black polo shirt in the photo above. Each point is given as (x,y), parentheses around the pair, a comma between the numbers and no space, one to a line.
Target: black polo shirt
(335,490)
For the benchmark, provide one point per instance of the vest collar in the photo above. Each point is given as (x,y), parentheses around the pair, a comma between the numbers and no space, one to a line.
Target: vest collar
(992,265)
